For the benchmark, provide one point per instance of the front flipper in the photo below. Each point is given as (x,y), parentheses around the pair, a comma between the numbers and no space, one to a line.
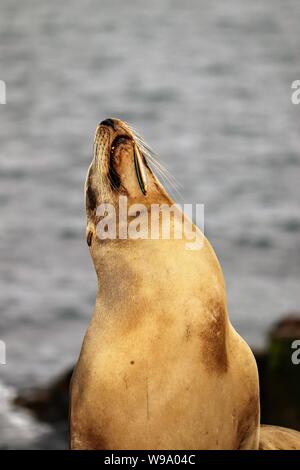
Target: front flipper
(278,438)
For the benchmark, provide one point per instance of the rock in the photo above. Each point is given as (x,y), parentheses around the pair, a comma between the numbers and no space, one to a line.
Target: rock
(49,404)
(279,377)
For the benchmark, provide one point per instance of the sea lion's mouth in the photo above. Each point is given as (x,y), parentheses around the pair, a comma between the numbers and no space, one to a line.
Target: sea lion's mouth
(121,156)
(119,140)
(139,164)
(113,175)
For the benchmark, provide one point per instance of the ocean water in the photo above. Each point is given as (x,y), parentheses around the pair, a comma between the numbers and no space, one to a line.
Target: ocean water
(208,84)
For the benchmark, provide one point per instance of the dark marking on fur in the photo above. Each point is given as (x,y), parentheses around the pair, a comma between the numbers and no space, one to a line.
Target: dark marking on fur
(248,421)
(93,440)
(114,178)
(213,336)
(91,199)
(188,332)
(89,238)
(125,379)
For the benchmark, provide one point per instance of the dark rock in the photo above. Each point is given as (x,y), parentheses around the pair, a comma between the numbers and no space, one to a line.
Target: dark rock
(279,377)
(49,404)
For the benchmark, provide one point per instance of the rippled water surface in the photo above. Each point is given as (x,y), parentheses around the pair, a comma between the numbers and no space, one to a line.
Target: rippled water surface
(209,86)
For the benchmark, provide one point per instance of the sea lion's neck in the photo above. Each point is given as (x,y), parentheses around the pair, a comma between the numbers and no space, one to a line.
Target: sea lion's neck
(114,262)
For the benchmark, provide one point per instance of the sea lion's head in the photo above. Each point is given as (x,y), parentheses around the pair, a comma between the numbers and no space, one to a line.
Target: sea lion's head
(121,166)
(121,169)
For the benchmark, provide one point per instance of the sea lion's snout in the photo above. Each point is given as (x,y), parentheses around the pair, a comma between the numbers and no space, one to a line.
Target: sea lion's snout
(108,123)
(120,158)
(121,166)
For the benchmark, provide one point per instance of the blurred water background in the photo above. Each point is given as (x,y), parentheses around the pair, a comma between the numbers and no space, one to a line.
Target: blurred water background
(208,84)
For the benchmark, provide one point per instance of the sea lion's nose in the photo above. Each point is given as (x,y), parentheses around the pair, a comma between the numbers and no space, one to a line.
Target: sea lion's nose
(108,123)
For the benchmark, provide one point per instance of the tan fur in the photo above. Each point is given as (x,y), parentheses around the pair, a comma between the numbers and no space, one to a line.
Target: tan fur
(161,367)
(277,438)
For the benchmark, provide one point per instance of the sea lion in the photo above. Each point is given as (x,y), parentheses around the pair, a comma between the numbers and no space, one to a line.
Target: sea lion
(278,438)
(161,367)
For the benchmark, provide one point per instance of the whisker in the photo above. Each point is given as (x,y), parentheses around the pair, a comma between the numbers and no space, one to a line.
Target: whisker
(148,152)
(152,159)
(172,179)
(172,189)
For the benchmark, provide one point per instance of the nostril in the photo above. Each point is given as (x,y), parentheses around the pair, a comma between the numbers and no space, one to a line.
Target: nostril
(108,123)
